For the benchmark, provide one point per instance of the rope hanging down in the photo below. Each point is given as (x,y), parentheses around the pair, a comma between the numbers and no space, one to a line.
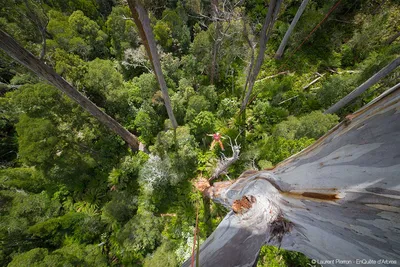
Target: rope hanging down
(195,235)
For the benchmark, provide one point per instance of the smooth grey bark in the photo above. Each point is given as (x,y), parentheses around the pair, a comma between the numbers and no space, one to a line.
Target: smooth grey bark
(338,199)
(142,22)
(363,87)
(20,54)
(273,9)
(285,39)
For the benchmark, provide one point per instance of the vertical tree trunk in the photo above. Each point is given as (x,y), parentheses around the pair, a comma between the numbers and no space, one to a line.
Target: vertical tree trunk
(142,21)
(266,31)
(363,87)
(337,199)
(20,54)
(285,39)
(214,64)
(251,46)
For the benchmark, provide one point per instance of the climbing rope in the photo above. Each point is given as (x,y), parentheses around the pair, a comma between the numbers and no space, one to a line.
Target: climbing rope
(195,234)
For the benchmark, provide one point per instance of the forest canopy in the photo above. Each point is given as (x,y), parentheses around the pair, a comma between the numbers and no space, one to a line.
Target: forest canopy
(75,193)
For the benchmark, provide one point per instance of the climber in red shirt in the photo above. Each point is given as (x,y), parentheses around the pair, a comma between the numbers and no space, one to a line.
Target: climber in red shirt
(216,139)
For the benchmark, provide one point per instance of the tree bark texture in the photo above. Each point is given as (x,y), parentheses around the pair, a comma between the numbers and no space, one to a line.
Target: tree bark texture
(217,41)
(273,10)
(363,87)
(338,199)
(142,22)
(285,39)
(20,54)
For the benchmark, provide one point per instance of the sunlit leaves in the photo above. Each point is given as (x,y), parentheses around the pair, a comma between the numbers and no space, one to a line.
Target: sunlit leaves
(121,30)
(37,140)
(203,124)
(312,125)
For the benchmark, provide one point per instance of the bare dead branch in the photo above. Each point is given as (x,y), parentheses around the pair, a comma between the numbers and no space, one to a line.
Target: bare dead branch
(273,76)
(313,81)
(224,163)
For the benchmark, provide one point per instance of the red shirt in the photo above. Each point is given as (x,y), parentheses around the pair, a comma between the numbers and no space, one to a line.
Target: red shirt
(217,137)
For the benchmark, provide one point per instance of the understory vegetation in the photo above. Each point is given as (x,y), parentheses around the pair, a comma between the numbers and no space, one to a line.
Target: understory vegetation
(72,193)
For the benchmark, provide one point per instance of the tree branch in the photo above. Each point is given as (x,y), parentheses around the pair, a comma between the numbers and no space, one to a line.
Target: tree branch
(20,54)
(224,163)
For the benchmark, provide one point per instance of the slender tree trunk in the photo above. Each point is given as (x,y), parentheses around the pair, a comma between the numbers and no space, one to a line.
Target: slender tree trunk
(250,67)
(217,36)
(392,39)
(337,199)
(363,87)
(285,39)
(142,22)
(266,31)
(214,63)
(20,54)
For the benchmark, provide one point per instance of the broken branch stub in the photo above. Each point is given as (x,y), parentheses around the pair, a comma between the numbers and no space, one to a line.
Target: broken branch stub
(244,204)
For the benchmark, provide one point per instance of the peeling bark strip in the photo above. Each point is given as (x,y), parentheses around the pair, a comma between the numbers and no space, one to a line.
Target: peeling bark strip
(337,199)
(20,54)
(363,87)
(313,196)
(142,22)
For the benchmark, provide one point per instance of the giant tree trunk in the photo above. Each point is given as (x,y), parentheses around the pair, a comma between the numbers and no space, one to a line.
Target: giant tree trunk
(142,22)
(266,31)
(337,199)
(20,54)
(285,39)
(363,87)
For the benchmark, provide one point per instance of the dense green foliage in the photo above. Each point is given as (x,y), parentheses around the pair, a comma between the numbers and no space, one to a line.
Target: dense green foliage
(73,194)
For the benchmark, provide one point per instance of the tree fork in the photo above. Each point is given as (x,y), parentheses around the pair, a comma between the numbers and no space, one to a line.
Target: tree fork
(27,59)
